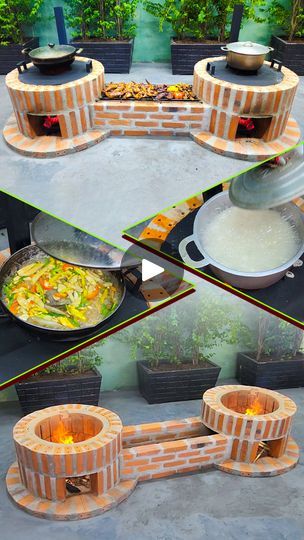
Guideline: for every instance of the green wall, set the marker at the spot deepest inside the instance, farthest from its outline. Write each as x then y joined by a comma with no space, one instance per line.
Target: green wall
150,44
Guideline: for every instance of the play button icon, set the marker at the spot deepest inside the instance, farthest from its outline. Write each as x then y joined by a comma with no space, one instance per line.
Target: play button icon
149,270
149,275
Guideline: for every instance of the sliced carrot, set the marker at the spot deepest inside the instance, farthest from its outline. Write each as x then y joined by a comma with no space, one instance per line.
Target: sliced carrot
14,307
66,266
45,284
93,294
34,288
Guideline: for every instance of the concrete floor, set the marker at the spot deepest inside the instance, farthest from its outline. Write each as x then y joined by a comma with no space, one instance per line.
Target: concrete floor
206,506
120,181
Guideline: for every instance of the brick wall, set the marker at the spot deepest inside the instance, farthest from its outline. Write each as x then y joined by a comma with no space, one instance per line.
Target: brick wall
162,431
167,119
162,459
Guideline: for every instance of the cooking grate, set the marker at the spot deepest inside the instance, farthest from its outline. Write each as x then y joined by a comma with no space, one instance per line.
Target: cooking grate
283,296
32,75
265,76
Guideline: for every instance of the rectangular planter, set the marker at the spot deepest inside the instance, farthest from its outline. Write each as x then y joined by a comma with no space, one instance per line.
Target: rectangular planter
116,56
10,55
185,55
273,375
177,385
291,54
38,394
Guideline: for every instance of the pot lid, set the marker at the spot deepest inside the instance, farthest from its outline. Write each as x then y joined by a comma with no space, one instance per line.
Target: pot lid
52,51
247,47
266,187
73,246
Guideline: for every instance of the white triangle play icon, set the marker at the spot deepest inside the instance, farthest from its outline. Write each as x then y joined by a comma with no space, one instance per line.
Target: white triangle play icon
150,270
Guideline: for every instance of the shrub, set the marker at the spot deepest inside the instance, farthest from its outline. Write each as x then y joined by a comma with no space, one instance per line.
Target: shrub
289,16
15,16
80,362
103,19
201,19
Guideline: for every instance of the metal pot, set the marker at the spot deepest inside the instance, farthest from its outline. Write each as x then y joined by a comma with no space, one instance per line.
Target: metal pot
33,253
52,57
242,280
245,55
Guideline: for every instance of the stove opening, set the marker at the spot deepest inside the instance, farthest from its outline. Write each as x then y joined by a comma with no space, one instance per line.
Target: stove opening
44,125
68,428
250,127
78,485
250,402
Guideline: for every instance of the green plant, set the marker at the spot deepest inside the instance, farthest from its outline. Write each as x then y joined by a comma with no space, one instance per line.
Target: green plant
80,362
275,338
15,17
201,19
289,16
187,331
104,19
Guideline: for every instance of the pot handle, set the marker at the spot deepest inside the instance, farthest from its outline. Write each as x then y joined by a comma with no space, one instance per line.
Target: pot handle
78,51
224,48
27,50
182,248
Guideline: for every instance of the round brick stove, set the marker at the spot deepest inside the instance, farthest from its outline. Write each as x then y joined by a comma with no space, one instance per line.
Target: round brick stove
251,417
67,442
268,106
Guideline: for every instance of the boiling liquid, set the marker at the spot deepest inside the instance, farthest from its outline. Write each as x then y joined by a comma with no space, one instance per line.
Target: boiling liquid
250,240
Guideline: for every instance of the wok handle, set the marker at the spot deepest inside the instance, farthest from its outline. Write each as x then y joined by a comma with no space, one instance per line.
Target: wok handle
78,51
27,50
224,48
4,315
182,248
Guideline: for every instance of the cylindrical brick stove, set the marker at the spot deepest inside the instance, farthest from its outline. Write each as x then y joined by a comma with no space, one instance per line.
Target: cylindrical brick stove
243,430
268,106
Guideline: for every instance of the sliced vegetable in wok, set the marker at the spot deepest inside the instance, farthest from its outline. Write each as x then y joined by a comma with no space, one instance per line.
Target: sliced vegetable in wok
53,294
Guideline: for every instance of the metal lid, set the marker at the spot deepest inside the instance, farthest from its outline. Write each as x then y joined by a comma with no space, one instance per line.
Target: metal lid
266,187
73,246
52,51
247,47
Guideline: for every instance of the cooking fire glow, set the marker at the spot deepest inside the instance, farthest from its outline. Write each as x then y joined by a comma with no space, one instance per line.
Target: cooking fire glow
61,435
255,409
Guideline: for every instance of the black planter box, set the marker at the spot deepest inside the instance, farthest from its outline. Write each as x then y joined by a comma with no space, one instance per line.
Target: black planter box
178,385
116,56
291,54
34,395
185,55
10,55
272,375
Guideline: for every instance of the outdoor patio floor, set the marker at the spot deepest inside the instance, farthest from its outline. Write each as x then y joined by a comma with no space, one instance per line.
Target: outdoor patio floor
210,505
121,180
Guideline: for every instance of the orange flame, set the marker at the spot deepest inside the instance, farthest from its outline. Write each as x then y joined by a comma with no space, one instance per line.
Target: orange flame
255,409
61,434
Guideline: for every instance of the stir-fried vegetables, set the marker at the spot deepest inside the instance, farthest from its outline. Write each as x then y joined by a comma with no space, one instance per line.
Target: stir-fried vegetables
57,295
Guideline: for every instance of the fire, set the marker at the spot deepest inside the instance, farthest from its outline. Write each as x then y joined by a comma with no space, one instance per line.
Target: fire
61,434
255,409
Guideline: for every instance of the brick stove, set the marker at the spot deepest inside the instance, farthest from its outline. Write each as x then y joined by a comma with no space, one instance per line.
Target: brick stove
243,430
265,97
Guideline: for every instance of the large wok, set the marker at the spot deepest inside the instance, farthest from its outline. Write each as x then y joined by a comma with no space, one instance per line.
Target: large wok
52,58
33,253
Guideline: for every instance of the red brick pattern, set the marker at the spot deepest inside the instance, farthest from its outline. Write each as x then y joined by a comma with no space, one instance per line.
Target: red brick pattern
146,118
161,431
157,460
270,104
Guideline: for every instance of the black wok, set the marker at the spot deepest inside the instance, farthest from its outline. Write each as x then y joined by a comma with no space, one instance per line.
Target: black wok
52,58
31,254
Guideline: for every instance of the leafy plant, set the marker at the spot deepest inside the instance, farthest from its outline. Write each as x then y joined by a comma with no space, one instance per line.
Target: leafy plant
275,338
103,19
80,362
201,19
289,16
188,332
15,17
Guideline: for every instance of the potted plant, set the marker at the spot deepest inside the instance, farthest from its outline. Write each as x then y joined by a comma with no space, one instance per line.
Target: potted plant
72,380
16,16
176,347
275,359
105,31
288,46
200,28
